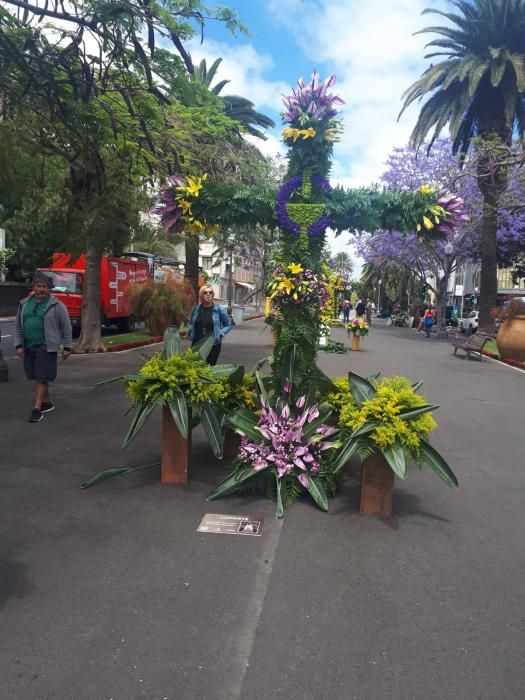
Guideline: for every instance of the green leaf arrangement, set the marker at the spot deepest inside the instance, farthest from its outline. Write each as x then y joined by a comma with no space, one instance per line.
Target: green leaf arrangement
389,417
182,380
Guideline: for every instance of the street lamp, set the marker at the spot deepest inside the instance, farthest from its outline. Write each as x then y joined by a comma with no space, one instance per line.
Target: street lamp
379,295
449,249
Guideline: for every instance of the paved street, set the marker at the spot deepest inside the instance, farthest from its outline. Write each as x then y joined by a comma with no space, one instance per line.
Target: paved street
111,594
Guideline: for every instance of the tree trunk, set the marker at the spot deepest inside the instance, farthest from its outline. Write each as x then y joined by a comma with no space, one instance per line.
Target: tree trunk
90,334
191,245
489,265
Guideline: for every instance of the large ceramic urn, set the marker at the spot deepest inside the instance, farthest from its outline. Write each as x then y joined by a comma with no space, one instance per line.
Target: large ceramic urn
511,339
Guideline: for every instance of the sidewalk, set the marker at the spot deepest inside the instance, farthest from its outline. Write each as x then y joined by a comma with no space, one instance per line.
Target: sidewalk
111,592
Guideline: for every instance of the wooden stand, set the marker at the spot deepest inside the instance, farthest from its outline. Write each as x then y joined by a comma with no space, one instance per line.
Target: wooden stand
232,443
356,340
377,486
176,451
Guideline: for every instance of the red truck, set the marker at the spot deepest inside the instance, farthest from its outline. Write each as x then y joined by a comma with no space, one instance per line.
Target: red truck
67,276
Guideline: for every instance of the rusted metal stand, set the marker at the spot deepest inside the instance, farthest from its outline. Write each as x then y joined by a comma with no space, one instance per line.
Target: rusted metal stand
377,486
176,451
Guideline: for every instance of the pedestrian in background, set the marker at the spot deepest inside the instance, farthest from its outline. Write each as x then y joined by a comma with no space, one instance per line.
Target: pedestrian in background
369,312
42,325
209,318
346,310
360,308
428,321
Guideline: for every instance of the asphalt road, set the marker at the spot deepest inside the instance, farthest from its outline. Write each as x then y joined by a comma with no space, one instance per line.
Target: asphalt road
111,593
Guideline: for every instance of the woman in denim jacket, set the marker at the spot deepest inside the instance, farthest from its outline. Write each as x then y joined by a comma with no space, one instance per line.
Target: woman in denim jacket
207,317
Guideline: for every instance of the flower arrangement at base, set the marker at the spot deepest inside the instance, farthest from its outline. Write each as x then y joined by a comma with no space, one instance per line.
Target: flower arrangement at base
284,448
389,417
358,327
181,380
295,285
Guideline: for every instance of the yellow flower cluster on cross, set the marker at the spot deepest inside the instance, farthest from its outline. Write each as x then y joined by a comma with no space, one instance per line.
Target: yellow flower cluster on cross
291,133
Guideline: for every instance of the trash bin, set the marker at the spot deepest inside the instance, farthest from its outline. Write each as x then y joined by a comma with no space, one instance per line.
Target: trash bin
238,314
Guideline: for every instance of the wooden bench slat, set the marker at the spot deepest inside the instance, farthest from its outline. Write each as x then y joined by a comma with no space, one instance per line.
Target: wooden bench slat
471,344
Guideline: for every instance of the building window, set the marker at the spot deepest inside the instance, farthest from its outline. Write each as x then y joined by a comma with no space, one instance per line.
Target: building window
207,263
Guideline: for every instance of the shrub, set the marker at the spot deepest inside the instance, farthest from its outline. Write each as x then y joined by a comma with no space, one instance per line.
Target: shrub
161,305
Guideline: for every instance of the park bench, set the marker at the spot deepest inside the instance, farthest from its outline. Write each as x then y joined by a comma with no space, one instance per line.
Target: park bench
472,344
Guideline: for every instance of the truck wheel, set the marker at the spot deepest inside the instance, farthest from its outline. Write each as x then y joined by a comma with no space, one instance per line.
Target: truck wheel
126,325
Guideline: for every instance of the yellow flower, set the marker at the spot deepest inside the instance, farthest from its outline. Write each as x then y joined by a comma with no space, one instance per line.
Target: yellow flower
286,284
426,189
196,226
295,268
291,133
185,206
427,223
308,133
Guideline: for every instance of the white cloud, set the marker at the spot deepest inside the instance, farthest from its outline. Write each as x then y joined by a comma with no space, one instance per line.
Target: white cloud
371,47
244,67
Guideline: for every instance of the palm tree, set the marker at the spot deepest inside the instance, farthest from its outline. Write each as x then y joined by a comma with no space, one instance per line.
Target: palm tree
236,107
478,90
343,264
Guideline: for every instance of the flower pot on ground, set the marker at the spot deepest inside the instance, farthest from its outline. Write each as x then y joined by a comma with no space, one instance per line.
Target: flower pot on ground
510,338
377,486
189,391
357,328
387,423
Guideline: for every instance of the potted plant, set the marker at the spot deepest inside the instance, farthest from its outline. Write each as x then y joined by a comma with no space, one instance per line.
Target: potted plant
510,337
387,424
188,391
161,305
357,328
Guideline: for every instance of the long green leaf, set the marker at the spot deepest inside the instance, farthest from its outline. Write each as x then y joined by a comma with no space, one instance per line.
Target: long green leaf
260,364
260,386
410,413
112,473
436,462
323,381
237,376
171,341
363,430
280,508
360,388
179,411
231,483
417,385
345,454
326,411
222,371
374,375
245,426
204,346
212,427
122,378
288,364
396,458
317,492
142,414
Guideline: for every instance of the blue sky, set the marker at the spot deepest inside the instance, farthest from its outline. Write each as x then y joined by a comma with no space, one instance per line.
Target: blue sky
370,46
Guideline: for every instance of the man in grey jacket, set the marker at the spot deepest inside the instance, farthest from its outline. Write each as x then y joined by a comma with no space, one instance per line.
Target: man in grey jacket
42,325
